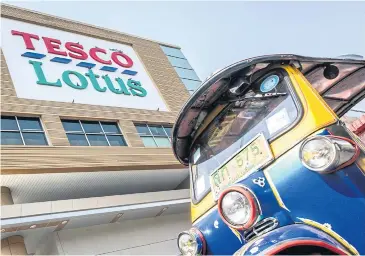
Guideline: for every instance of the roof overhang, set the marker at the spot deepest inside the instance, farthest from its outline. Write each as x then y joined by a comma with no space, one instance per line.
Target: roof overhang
29,188
75,213
351,73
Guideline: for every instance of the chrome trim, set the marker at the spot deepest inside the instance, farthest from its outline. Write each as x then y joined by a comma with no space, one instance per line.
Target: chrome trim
260,228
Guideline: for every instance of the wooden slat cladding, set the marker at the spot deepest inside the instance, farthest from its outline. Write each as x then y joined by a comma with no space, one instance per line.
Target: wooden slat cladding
75,159
60,156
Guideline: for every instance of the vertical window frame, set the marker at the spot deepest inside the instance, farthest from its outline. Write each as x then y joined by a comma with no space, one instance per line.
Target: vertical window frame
182,57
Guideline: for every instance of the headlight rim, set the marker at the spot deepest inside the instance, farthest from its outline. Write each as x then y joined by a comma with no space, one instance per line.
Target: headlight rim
253,205
199,237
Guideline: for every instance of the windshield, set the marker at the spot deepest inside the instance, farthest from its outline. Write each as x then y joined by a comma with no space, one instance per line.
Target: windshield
267,107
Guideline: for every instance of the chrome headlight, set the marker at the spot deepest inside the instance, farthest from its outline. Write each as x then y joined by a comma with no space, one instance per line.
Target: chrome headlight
191,242
326,153
238,208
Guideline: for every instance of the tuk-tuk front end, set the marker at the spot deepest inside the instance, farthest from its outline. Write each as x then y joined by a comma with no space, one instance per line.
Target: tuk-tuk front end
273,169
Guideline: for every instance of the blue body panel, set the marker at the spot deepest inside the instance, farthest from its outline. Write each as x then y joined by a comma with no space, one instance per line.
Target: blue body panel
335,201
287,233
215,237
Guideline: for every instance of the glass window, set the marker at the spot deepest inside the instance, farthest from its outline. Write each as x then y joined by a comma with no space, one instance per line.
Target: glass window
11,138
154,135
29,123
143,130
34,138
97,140
183,68
168,131
149,142
116,140
30,133
178,62
93,133
8,123
72,126
240,122
157,131
187,73
110,127
191,85
91,127
172,52
162,142
77,139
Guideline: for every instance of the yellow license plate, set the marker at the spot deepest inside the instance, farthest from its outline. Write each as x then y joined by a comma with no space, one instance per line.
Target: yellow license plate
251,157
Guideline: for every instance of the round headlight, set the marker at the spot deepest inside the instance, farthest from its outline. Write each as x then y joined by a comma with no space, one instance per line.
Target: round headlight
187,244
318,153
191,242
237,208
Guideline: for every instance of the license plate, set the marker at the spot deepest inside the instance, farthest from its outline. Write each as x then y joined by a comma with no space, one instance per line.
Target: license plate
251,157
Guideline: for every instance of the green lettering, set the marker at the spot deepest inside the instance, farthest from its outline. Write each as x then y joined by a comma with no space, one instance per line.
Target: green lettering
66,78
136,86
122,86
40,75
93,78
111,87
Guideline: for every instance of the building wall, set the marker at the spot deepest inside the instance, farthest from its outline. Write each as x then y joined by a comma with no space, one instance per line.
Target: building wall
150,236
58,157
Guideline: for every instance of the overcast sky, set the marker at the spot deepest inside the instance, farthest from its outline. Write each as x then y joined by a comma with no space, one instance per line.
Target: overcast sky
215,34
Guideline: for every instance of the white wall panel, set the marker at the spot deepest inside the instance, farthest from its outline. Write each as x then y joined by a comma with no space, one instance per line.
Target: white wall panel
145,236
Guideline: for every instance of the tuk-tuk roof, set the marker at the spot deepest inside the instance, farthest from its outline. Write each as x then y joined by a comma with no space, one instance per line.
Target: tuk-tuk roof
199,105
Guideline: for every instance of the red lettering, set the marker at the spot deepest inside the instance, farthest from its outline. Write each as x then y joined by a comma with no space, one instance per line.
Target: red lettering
76,51
93,55
129,61
53,45
27,38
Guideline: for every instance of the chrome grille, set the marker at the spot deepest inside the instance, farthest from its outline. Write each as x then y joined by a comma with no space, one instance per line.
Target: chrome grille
260,228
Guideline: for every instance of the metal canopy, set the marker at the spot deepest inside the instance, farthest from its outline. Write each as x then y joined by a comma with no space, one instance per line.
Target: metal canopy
340,93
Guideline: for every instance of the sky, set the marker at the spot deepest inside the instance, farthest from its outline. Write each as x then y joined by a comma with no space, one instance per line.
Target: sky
213,34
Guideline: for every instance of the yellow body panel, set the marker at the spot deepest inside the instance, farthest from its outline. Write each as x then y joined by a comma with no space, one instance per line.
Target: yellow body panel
316,115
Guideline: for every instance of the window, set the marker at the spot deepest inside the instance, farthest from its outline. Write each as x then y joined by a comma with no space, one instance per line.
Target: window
22,131
187,74
155,135
174,52
237,124
182,67
93,133
179,63
191,85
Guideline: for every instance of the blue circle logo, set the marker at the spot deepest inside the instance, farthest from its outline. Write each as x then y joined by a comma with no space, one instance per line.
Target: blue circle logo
269,83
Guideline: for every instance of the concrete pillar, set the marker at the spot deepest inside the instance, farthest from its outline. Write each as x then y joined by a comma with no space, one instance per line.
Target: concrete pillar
13,245
6,197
